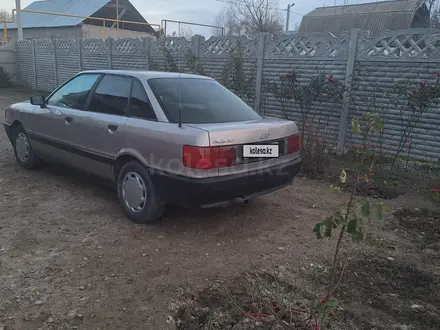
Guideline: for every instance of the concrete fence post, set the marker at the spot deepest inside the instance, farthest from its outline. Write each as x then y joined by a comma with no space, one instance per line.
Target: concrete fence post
259,74
196,46
109,50
34,60
55,67
147,51
18,78
80,47
343,121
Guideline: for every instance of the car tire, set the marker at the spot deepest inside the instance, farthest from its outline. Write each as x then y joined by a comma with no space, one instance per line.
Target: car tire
137,195
23,151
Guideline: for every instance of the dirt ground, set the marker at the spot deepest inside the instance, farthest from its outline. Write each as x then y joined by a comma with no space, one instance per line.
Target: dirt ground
69,259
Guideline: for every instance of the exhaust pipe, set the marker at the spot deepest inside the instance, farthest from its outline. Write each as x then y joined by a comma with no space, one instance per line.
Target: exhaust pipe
241,200
238,200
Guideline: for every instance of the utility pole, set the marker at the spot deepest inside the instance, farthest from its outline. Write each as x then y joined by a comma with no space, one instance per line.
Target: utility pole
19,21
117,14
288,16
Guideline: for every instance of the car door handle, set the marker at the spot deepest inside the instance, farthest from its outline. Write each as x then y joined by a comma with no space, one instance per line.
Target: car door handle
112,127
68,120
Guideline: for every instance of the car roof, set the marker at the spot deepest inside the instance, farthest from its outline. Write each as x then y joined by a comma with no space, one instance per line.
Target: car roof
143,74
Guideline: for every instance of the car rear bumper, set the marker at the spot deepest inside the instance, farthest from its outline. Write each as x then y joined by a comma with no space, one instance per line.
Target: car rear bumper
210,192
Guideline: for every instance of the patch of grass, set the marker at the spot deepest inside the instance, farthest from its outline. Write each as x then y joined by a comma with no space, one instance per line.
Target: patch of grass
257,300
392,182
380,184
419,176
435,196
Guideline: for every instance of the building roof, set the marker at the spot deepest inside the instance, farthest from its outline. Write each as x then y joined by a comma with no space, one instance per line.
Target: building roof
375,17
73,7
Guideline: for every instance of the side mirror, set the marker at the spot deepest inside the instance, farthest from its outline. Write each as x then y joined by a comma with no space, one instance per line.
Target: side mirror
38,100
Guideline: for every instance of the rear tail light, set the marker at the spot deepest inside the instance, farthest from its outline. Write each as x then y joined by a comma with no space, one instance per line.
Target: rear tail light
205,158
294,143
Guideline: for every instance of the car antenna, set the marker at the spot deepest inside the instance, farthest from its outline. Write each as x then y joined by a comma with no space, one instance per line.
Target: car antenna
178,86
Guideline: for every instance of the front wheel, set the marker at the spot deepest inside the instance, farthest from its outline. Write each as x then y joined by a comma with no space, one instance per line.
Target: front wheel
24,153
137,195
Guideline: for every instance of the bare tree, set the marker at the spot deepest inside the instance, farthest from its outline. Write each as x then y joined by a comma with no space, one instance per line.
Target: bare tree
186,32
226,19
5,16
434,11
296,27
250,17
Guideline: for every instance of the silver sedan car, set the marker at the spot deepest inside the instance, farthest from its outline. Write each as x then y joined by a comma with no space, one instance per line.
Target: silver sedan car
162,138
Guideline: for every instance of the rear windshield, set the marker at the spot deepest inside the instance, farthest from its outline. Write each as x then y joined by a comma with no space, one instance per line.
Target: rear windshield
201,101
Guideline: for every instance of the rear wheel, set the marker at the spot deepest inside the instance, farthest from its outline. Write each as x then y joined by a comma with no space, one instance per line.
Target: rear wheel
137,195
24,153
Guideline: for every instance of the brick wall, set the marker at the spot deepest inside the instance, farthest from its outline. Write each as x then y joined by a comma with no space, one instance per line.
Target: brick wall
371,65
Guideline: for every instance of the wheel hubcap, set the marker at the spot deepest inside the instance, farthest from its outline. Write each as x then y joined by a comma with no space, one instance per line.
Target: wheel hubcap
22,147
134,192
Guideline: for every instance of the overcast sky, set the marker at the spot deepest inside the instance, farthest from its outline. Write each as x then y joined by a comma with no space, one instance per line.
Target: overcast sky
202,11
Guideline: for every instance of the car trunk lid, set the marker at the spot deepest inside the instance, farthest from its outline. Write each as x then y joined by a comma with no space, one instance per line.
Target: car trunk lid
252,141
248,132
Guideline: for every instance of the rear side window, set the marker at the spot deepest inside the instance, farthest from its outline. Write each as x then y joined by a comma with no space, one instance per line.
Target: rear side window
140,105
73,95
200,101
111,96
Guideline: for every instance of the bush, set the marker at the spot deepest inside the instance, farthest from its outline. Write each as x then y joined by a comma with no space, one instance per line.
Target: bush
316,152
234,74
290,90
5,78
169,64
194,64
412,102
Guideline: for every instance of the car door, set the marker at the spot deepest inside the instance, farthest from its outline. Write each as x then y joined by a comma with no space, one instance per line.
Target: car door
51,126
98,130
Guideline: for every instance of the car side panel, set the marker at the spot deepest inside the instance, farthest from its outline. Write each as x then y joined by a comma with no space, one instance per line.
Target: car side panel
160,146
24,112
18,112
95,143
52,133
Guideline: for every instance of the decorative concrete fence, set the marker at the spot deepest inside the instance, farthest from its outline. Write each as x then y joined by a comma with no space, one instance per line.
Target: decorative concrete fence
369,66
